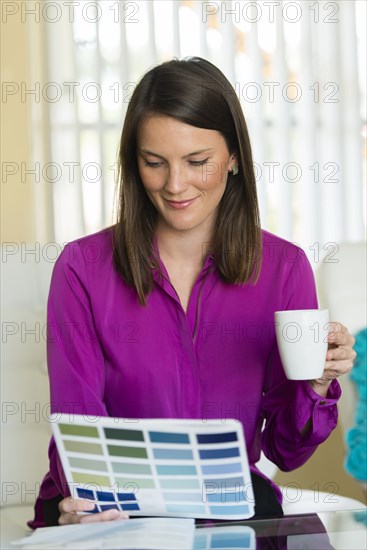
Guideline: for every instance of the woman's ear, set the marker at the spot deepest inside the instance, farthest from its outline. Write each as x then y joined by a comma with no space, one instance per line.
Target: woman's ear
234,165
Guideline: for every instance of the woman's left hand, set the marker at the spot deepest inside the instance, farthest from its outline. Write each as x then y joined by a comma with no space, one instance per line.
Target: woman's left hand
339,359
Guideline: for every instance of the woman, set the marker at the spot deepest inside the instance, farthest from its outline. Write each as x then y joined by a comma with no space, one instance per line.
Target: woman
170,312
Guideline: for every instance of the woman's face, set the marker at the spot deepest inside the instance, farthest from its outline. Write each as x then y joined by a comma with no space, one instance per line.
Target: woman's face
184,171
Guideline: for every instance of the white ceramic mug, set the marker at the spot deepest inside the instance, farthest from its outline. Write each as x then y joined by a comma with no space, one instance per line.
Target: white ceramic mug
302,342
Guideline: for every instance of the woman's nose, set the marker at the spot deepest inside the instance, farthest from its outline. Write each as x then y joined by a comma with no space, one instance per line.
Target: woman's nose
176,181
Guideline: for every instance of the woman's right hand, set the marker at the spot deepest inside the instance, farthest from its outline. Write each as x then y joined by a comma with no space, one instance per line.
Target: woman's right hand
70,506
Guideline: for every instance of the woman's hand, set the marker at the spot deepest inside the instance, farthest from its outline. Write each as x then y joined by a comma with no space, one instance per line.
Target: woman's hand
70,506
339,358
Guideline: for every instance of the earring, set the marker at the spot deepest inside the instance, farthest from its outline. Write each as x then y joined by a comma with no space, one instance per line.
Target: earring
235,169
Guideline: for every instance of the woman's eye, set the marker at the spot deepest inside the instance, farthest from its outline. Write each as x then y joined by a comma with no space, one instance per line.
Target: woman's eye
198,162
156,164
152,164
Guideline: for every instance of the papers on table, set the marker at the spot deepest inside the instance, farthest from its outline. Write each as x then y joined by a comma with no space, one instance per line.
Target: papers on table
141,533
148,533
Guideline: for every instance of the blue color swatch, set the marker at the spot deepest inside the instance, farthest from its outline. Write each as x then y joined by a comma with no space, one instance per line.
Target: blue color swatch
168,437
216,438
219,453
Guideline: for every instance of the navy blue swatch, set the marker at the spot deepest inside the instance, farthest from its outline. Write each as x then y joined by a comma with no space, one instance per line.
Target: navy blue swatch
85,493
126,496
130,506
104,496
217,438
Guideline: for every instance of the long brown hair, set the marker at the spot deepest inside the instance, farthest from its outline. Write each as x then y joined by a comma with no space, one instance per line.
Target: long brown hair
195,92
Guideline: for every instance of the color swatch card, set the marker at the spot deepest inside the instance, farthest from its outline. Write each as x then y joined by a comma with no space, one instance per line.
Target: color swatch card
157,467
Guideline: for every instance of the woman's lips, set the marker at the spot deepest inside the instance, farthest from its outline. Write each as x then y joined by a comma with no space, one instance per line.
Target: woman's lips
179,205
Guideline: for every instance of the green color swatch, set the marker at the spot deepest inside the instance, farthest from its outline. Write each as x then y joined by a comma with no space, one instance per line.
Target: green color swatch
86,464
83,431
127,435
85,448
91,479
134,452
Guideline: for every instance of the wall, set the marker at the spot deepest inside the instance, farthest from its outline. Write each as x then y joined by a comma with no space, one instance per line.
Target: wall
26,199
17,212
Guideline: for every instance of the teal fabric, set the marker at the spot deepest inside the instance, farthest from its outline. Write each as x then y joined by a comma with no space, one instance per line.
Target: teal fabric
361,516
356,437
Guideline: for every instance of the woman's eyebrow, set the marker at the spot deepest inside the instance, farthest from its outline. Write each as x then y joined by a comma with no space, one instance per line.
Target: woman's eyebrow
147,152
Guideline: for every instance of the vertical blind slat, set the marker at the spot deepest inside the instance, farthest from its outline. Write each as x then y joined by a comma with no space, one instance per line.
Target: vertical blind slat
203,30
124,55
331,168
152,50
281,141
229,51
256,121
309,196
67,60
100,133
351,121
176,29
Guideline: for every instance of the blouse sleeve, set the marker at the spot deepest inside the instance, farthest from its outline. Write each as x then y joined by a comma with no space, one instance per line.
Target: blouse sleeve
75,359
74,353
288,405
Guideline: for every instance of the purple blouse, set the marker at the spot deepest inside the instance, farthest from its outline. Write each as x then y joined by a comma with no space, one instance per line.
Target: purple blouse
110,356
